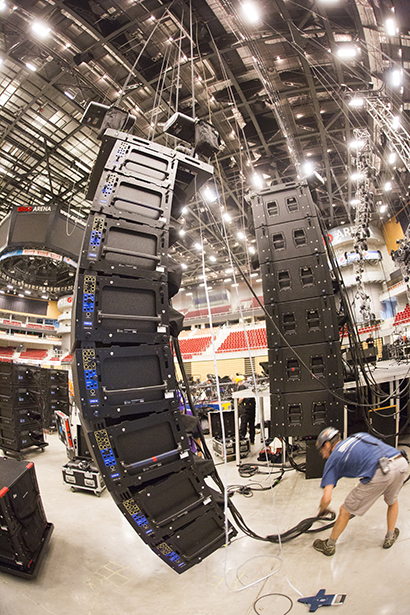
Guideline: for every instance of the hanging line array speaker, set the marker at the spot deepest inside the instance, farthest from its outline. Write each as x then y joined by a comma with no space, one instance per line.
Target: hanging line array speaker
123,367
305,367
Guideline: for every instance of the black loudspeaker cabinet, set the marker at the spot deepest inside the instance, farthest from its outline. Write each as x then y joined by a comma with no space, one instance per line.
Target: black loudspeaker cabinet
191,173
128,248
283,203
314,462
296,279
289,374
16,440
298,414
163,506
24,530
216,425
308,321
20,418
113,309
194,541
133,197
58,404
300,238
56,377
134,452
12,375
132,158
21,397
120,381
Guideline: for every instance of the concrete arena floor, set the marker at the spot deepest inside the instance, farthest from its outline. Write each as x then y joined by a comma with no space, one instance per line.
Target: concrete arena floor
96,565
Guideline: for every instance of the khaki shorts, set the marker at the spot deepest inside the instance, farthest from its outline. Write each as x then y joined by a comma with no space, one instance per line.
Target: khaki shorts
362,497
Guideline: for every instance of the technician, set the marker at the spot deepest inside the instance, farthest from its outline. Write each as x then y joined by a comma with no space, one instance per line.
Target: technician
247,411
381,469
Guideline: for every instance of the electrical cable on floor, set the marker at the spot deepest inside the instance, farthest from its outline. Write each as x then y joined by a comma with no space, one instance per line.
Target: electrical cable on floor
273,594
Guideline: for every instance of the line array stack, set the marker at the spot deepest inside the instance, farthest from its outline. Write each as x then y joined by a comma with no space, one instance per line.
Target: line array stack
123,368
305,368
21,419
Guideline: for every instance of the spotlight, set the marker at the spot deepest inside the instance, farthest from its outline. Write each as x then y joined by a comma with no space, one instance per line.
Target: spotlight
356,102
390,27
396,78
40,29
347,52
251,12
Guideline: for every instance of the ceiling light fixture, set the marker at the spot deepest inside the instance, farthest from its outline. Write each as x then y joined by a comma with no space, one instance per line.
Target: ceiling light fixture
396,78
358,144
390,27
251,12
209,195
392,157
257,181
396,122
356,102
347,52
387,187
31,67
308,168
40,29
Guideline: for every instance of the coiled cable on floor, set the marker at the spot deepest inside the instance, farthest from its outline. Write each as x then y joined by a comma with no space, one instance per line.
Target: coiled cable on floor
304,528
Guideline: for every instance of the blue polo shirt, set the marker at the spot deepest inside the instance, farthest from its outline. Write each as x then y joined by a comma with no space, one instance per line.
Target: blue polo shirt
356,457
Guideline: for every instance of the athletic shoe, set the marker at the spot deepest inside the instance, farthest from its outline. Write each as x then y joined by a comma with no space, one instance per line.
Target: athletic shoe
324,547
389,542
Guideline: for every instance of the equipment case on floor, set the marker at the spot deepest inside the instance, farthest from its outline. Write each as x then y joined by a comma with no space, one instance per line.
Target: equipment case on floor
218,448
81,473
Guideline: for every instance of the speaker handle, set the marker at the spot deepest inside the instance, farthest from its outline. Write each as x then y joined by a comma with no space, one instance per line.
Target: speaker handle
160,457
101,316
154,387
131,253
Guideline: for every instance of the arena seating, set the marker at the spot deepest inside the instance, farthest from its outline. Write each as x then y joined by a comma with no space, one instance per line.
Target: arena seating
203,312
236,340
6,352
33,354
194,345
403,316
